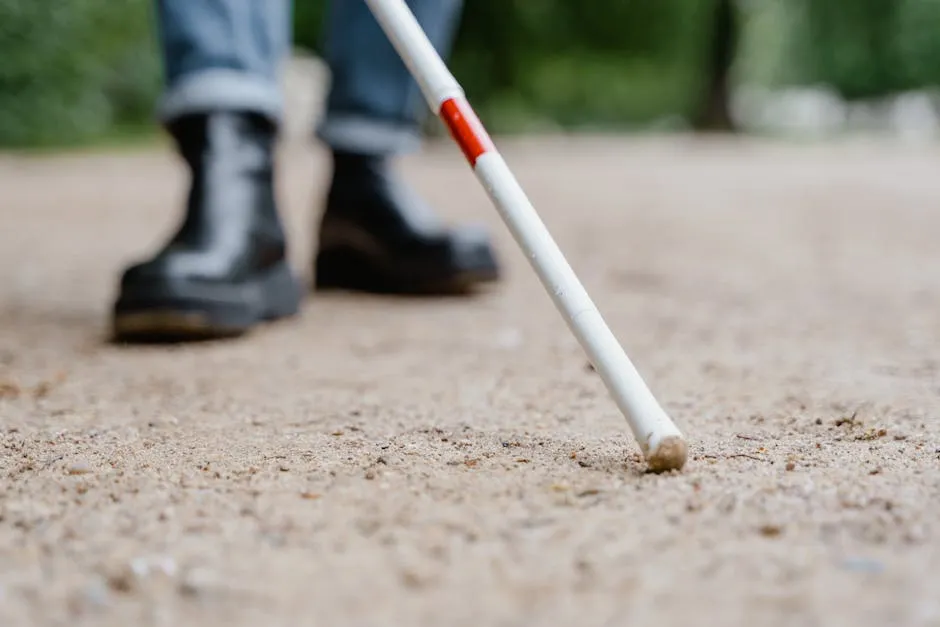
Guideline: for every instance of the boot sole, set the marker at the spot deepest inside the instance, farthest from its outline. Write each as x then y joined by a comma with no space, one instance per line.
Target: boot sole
178,311
346,269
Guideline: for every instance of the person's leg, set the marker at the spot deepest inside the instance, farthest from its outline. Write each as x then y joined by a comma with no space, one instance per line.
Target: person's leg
374,106
225,268
375,235
222,55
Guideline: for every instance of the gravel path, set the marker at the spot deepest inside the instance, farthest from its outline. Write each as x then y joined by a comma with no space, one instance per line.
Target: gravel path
384,462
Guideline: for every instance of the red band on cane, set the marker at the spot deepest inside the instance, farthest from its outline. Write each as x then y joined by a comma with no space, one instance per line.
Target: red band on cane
466,129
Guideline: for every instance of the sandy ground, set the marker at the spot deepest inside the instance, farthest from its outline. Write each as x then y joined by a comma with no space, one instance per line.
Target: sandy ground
384,462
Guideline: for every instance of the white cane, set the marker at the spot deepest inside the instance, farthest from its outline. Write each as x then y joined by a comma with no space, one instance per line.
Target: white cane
660,440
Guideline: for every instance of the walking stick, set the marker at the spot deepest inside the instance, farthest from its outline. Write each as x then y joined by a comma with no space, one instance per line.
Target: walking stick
662,443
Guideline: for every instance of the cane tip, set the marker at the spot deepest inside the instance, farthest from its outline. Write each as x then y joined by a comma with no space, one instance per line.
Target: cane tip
670,453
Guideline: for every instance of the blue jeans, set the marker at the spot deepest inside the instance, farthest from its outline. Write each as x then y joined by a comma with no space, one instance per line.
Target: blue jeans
227,55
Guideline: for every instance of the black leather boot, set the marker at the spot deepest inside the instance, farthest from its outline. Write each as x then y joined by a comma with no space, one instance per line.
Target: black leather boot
225,270
377,236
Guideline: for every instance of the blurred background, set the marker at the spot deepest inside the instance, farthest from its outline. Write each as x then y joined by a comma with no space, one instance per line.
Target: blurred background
77,72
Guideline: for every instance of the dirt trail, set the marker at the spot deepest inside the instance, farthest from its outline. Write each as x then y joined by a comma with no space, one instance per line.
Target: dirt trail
383,462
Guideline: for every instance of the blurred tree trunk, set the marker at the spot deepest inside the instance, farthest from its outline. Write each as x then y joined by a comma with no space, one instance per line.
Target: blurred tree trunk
715,112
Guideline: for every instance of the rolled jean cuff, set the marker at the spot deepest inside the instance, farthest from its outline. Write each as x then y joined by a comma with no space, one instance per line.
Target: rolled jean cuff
362,134
221,90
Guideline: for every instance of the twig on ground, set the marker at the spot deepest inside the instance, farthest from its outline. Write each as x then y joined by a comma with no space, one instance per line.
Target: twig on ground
755,458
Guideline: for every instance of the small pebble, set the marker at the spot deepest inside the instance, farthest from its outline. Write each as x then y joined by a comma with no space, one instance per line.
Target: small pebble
79,468
123,580
770,531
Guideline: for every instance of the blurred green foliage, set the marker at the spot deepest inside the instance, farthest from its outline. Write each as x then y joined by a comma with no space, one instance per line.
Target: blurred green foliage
861,48
530,64
72,71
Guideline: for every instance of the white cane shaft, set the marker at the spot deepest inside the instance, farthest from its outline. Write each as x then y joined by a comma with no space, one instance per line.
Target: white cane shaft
646,418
